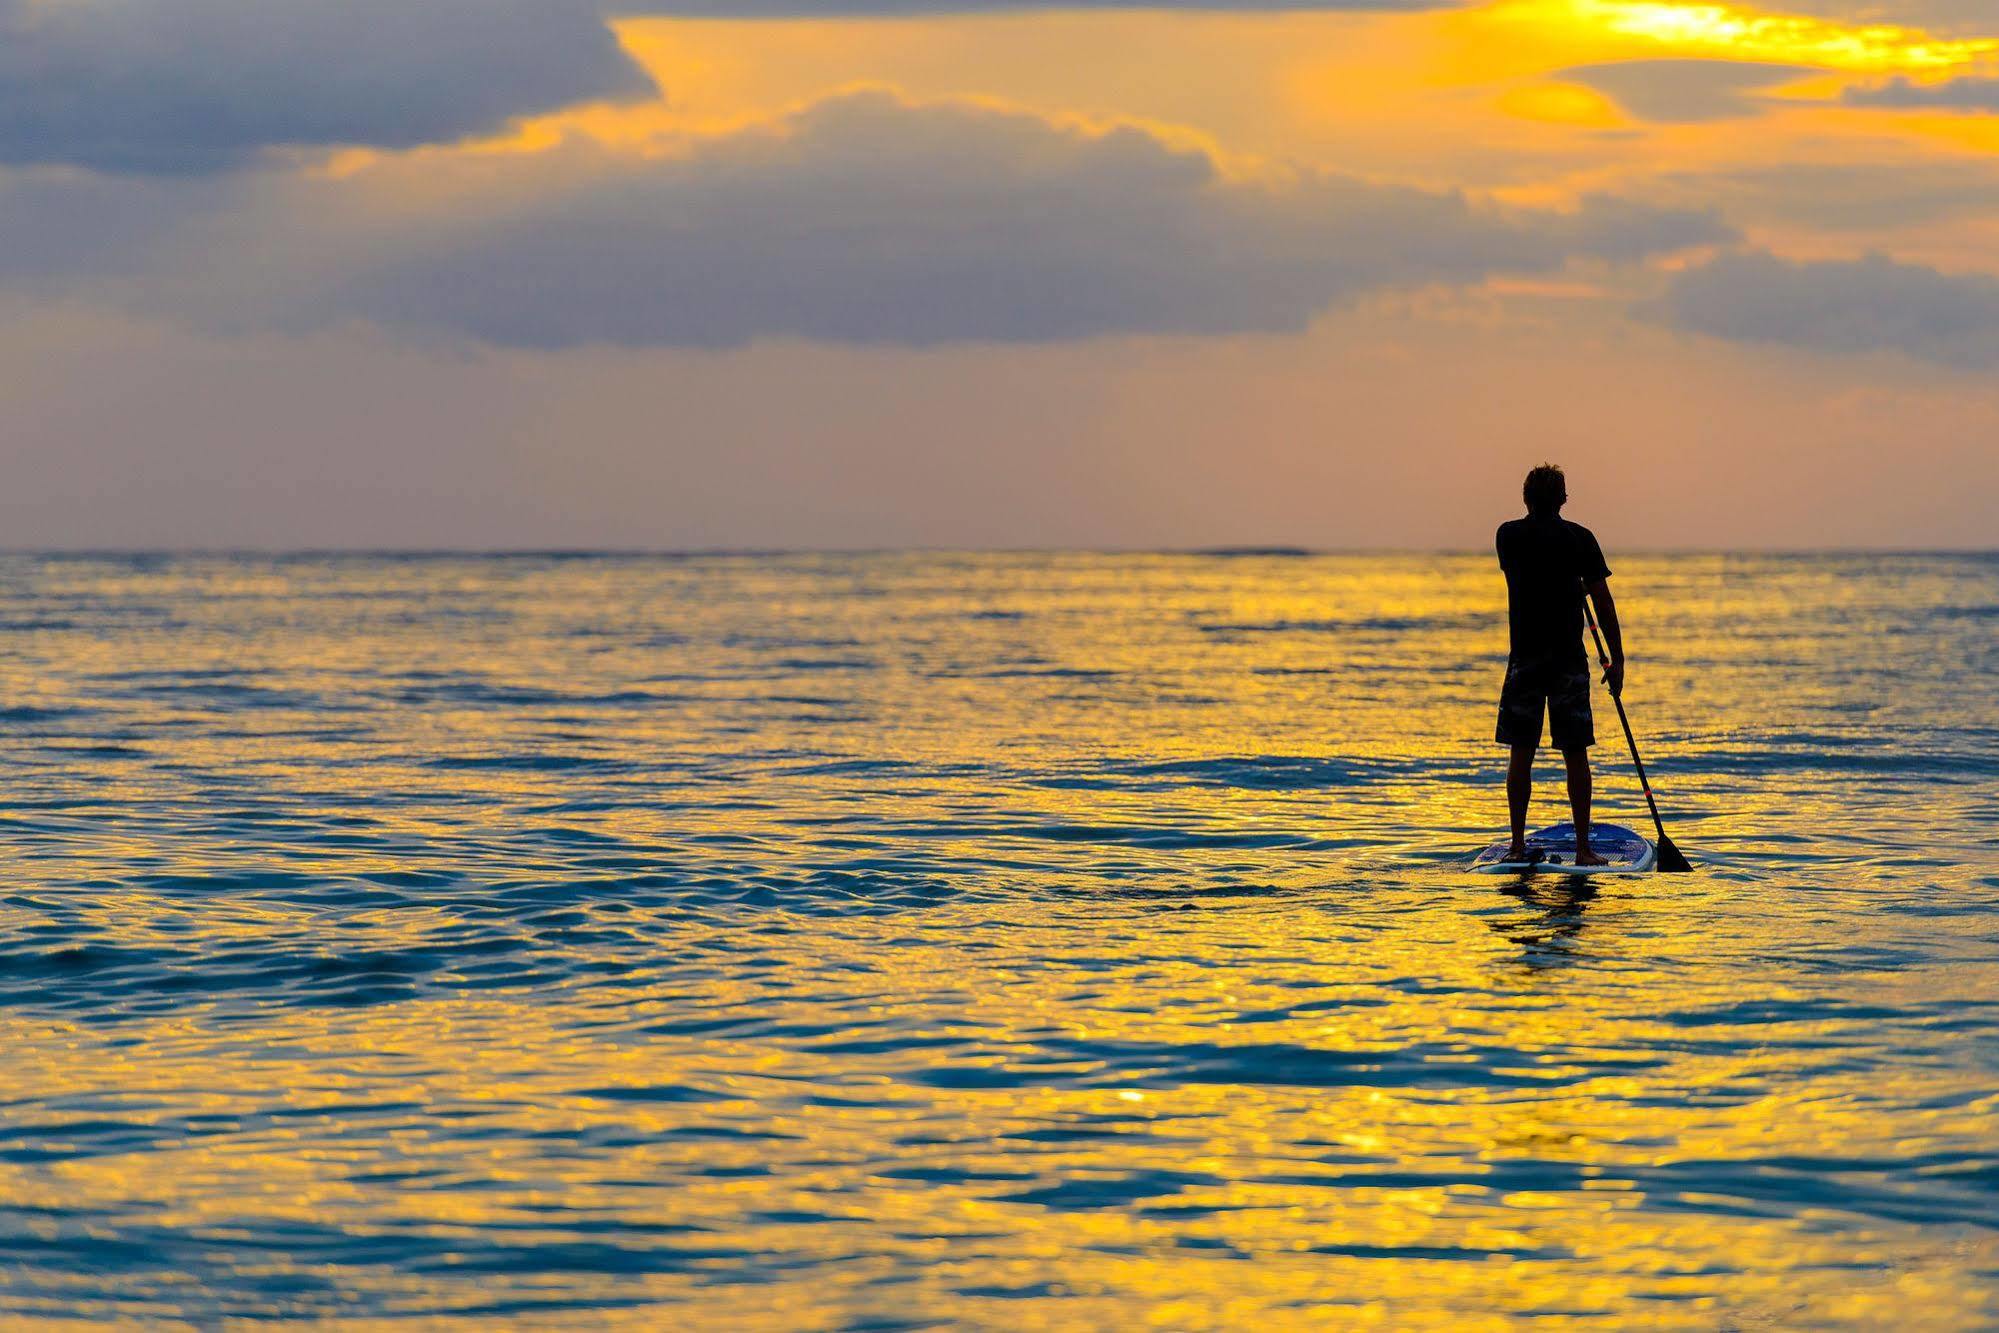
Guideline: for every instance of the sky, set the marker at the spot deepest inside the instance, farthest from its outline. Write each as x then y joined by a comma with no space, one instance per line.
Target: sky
689,274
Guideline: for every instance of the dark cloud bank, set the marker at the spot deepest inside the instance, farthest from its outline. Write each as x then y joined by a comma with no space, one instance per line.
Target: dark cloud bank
1867,305
868,219
1684,91
1965,94
203,85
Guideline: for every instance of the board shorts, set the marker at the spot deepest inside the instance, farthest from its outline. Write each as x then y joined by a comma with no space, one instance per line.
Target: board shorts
1562,688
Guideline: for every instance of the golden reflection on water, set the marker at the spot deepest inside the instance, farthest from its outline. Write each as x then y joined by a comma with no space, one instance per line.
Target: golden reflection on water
1068,941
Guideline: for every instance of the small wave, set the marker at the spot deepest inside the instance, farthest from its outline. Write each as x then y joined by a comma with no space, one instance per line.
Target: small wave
529,763
1247,773
1117,1190
1356,625
30,713
1027,673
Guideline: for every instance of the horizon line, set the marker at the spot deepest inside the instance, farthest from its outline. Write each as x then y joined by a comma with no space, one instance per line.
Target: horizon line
1225,551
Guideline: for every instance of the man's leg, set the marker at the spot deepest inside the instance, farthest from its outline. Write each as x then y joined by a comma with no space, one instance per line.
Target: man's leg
1519,788
1579,793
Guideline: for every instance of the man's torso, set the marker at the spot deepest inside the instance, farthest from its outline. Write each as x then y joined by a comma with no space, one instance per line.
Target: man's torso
1547,563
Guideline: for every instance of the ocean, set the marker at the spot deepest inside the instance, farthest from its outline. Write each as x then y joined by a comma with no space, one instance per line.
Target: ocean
902,941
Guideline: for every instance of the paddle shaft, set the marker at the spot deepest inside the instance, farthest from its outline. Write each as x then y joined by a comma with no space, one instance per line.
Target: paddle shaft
1603,660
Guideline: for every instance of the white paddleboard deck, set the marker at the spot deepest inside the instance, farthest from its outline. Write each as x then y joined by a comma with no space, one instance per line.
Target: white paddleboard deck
1553,851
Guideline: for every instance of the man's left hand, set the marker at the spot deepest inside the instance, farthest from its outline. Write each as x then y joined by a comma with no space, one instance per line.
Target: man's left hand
1613,676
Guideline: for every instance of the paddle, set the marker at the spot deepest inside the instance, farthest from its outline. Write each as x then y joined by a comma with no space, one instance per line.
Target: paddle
1670,858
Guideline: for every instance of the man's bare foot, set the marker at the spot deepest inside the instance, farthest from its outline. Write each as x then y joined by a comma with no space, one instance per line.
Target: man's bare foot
1517,852
1586,857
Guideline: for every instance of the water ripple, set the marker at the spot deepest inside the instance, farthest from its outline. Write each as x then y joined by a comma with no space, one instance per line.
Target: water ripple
913,940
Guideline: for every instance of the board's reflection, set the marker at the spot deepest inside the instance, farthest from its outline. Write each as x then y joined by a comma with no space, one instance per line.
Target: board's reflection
1547,934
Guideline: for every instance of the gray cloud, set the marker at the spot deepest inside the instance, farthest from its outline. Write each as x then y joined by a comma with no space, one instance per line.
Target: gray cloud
64,228
1945,18
201,85
1966,94
1867,305
728,9
1684,90
1852,196
868,219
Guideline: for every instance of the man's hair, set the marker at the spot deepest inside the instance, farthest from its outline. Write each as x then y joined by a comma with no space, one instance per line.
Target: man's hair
1545,489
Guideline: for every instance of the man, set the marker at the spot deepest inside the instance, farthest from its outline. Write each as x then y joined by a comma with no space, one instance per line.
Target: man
1549,561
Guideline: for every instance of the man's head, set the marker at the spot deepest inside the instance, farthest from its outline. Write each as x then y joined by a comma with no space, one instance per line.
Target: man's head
1545,490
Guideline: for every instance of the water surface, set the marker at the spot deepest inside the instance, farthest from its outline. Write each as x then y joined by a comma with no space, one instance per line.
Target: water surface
894,941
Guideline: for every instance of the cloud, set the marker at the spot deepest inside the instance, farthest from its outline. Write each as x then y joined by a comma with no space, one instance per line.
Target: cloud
1966,94
201,85
63,229
865,218
824,9
1966,17
1684,90
1857,195
1868,305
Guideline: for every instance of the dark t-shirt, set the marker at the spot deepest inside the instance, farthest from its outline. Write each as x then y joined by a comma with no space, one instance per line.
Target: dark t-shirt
1547,562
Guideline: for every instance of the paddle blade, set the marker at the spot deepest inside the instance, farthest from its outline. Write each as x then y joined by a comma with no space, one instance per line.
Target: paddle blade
1670,858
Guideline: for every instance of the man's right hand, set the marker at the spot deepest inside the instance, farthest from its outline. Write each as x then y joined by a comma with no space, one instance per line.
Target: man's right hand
1613,676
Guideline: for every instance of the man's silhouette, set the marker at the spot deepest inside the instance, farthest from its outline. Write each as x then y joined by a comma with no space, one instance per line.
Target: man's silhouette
1548,562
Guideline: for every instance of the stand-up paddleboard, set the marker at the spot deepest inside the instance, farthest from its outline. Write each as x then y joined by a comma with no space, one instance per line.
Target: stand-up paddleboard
1553,850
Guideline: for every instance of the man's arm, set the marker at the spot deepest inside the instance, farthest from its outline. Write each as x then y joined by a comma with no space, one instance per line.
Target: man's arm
1606,615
